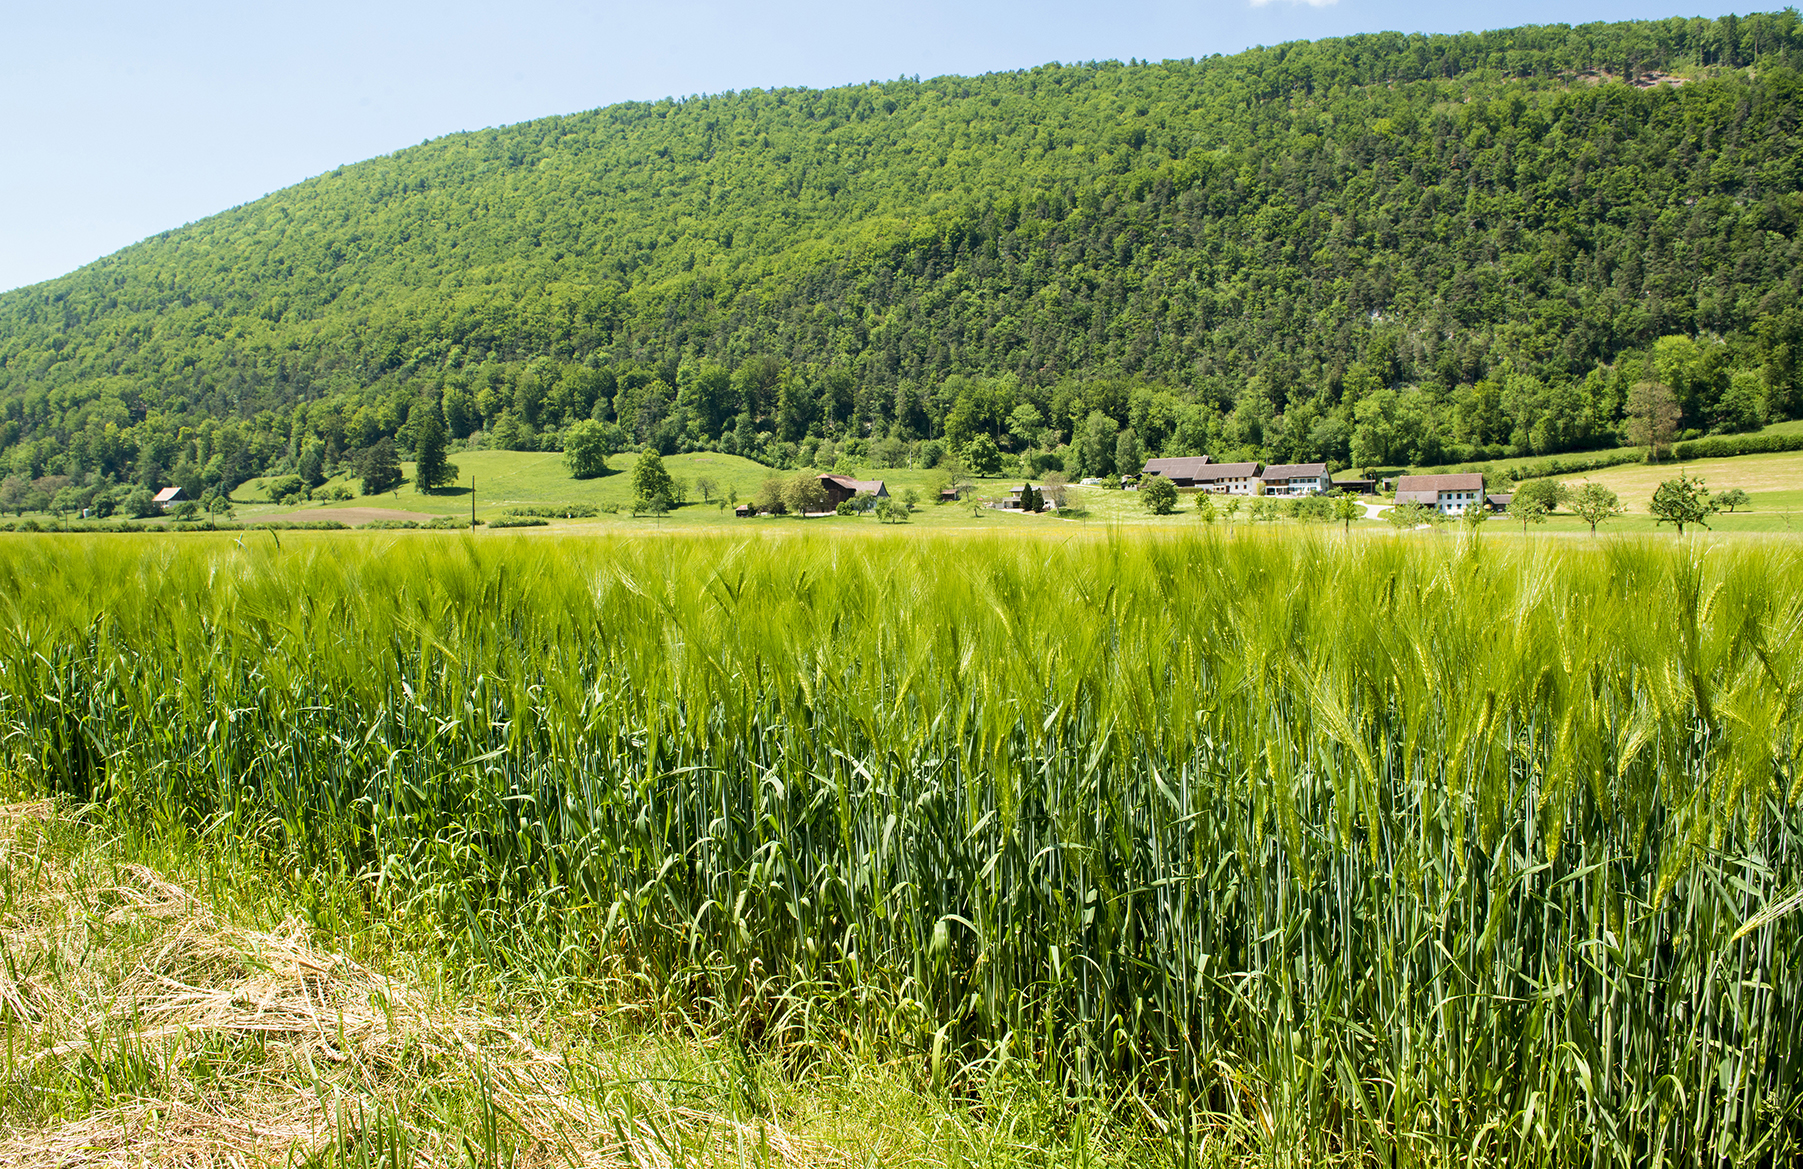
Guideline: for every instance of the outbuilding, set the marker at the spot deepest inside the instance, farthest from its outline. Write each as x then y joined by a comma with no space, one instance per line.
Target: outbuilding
840,488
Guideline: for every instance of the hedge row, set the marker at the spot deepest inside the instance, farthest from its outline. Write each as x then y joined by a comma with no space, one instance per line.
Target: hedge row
1723,446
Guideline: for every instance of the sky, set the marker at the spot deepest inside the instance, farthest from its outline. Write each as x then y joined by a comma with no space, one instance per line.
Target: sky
118,121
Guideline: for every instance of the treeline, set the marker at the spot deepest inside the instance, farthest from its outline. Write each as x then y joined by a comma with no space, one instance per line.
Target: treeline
1375,250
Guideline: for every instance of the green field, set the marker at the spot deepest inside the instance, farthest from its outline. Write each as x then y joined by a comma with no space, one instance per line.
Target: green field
1095,846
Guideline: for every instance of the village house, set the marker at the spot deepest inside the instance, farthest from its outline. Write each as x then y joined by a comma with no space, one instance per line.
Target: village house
840,488
1231,478
1450,494
1297,479
1012,503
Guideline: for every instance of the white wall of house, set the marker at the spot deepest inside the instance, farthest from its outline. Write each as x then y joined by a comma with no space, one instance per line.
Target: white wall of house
1300,486
1455,502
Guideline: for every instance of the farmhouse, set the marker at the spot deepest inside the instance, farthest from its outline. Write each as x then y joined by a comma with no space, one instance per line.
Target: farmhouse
840,488
1183,472
1012,503
1231,478
1297,479
1451,494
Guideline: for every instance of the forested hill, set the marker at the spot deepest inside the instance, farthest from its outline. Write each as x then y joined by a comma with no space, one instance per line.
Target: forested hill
1382,248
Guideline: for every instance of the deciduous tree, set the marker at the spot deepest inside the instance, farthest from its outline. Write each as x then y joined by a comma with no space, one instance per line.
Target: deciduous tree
1683,501
1593,503
1158,493
652,489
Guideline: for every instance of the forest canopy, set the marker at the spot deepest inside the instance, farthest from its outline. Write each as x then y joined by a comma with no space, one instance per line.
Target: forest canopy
1374,250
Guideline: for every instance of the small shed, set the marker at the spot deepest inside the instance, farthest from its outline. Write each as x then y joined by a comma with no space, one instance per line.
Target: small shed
1356,486
1499,500
168,497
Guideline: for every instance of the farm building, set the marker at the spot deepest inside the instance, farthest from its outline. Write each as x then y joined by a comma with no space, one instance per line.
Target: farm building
1499,501
168,497
1184,472
1296,479
1231,478
840,488
1451,494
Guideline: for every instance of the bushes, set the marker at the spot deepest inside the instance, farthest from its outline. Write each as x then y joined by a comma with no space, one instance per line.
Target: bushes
1723,446
555,511
519,521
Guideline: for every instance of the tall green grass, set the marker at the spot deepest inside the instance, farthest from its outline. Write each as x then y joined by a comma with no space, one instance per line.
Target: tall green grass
1306,848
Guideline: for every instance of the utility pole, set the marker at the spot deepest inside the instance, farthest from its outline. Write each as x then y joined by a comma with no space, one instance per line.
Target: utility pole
472,503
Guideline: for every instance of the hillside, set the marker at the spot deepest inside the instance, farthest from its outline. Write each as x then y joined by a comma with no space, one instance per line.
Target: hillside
1377,249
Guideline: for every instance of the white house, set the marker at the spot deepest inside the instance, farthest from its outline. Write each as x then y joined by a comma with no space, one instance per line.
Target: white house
1451,494
1230,478
1297,479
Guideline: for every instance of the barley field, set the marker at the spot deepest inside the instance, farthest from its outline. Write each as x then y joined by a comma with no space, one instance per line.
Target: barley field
1292,848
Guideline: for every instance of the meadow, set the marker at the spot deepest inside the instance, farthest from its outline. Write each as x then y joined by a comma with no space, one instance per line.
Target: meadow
1224,847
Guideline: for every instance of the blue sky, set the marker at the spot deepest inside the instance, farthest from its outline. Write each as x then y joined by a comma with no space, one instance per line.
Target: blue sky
118,121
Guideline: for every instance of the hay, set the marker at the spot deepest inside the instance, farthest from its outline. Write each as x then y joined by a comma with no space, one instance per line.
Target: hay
305,1052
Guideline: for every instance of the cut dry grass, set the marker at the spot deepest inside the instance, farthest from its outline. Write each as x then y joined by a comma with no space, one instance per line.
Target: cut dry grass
145,1028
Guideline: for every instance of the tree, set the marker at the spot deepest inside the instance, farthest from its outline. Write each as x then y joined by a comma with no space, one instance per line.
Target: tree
1651,417
1055,486
1346,508
984,456
1683,501
1593,503
13,492
380,468
1156,492
1205,508
430,468
1095,444
652,489
141,504
1527,509
1732,498
803,493
1129,457
769,495
1550,492
586,445
708,487
892,511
